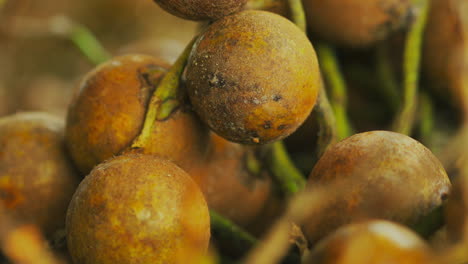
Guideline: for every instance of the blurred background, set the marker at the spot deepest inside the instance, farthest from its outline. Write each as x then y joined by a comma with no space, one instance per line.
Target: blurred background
40,64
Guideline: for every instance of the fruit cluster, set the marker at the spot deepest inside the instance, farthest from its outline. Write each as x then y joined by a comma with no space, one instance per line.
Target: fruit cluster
185,163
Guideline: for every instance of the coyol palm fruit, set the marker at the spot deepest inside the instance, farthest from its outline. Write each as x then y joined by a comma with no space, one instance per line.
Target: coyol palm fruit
356,23
137,208
108,112
377,174
445,53
456,209
201,9
253,77
37,180
229,185
279,7
371,242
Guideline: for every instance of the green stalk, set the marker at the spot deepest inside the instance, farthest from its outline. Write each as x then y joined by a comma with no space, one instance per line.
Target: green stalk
404,121
326,122
388,81
87,43
298,14
163,101
337,88
426,125
223,229
239,242
289,178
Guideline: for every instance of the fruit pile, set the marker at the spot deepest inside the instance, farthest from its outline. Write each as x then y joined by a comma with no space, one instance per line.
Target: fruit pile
203,161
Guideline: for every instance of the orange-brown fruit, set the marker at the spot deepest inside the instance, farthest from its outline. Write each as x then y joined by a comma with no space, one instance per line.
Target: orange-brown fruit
356,23
137,208
371,242
377,174
279,7
201,9
232,189
445,53
456,209
108,112
37,180
253,77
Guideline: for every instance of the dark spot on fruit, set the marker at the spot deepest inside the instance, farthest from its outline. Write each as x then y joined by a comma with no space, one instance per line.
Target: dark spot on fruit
233,42
267,125
216,80
277,97
282,127
10,196
444,196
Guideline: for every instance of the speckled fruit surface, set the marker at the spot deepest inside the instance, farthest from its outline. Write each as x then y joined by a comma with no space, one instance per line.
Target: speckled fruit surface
37,180
377,174
253,77
137,209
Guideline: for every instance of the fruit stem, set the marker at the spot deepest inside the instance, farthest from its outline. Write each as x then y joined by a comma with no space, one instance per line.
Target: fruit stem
87,43
240,241
388,83
332,73
223,229
325,117
404,120
164,99
298,14
289,178
64,27
426,125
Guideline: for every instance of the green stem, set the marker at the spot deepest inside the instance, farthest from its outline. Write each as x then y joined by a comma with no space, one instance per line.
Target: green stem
404,121
236,242
388,81
298,14
337,87
84,39
163,101
426,126
289,178
223,229
326,122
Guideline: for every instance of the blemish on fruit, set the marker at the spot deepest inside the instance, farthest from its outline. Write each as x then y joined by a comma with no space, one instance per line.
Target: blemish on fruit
282,127
277,97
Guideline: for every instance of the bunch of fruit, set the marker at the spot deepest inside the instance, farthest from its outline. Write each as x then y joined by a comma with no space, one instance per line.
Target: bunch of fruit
185,163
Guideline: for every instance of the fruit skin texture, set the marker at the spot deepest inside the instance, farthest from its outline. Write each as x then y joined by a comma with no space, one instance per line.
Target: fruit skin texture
356,23
37,180
377,174
445,50
253,77
369,242
108,111
201,9
137,209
